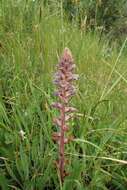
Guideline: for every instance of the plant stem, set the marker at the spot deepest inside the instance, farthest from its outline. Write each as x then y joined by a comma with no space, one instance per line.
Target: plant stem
61,145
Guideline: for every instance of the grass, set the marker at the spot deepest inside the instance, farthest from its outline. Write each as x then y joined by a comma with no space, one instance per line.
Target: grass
32,38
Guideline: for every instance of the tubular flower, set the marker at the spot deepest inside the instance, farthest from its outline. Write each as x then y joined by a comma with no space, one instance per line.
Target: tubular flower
64,79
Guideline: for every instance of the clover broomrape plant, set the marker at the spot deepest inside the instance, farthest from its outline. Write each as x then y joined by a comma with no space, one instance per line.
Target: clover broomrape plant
63,79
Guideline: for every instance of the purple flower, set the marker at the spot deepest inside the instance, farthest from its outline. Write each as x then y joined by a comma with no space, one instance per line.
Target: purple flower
64,79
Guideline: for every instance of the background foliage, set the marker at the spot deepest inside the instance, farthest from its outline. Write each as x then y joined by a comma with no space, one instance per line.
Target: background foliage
104,15
32,37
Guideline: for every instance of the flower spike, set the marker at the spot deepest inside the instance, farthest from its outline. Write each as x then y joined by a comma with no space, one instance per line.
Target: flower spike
63,79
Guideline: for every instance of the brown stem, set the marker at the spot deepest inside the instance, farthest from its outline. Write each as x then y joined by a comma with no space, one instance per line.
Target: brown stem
61,145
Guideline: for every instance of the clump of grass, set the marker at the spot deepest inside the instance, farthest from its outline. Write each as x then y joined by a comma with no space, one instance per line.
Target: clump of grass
29,48
63,80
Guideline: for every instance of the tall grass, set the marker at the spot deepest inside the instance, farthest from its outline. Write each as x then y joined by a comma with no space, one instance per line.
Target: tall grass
31,39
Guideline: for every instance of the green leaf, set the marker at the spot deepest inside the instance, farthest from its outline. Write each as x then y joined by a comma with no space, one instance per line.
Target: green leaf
3,182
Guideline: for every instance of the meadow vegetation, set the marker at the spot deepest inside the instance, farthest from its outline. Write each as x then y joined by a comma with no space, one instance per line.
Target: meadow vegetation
33,35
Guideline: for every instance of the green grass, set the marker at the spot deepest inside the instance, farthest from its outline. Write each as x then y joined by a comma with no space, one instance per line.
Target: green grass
32,37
